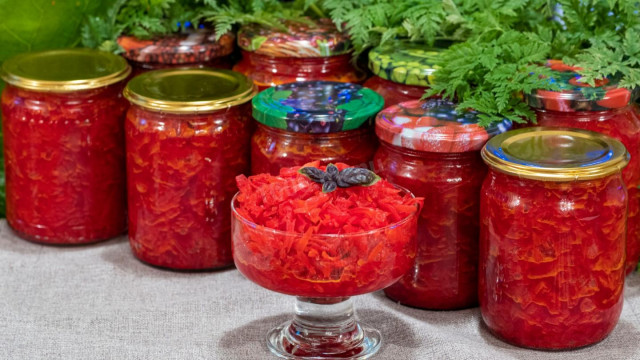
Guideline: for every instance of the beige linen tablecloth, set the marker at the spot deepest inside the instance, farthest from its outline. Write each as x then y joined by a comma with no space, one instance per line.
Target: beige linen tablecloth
99,302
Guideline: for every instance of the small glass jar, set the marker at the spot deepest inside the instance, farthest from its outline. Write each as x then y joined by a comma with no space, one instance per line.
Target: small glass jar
63,116
607,109
187,135
434,152
402,70
314,120
194,49
552,217
305,52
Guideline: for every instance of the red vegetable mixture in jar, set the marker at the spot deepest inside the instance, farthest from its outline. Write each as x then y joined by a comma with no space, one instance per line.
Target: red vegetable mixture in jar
434,151
553,215
182,159
314,120
402,70
195,49
604,108
316,51
295,238
63,132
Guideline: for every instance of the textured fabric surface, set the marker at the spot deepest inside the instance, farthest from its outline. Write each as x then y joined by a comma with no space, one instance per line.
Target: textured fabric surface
99,302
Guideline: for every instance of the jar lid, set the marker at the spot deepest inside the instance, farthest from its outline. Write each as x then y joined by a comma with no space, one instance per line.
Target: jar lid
405,62
577,96
64,70
189,90
196,47
316,38
316,106
555,154
434,125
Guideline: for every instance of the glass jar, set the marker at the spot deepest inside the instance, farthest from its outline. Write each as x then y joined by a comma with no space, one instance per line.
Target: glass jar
63,145
434,152
402,70
187,135
314,120
552,217
606,109
194,49
305,52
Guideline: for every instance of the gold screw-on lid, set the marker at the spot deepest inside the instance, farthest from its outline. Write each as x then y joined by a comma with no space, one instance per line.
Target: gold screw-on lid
189,90
65,70
555,154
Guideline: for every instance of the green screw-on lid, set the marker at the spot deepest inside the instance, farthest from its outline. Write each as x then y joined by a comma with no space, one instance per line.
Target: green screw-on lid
316,106
189,90
404,62
64,70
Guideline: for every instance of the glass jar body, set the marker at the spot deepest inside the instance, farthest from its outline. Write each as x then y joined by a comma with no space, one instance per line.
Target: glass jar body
445,272
65,164
137,68
394,93
622,124
181,172
552,259
273,149
267,71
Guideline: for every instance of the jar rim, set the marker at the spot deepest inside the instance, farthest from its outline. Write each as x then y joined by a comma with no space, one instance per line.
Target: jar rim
555,154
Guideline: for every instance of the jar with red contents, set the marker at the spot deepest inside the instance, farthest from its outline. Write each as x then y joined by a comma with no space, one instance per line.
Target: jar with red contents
434,151
552,217
604,108
316,51
187,136
197,48
402,70
314,120
63,131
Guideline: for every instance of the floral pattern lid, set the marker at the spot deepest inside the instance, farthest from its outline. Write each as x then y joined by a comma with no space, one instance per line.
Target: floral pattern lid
319,38
577,96
316,107
404,62
434,125
196,47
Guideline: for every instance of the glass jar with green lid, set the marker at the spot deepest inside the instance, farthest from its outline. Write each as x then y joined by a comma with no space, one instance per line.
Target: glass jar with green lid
402,70
63,115
322,121
187,136
553,214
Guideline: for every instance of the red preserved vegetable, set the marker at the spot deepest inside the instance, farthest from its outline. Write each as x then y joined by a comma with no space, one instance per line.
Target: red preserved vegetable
64,146
606,109
437,157
552,241
291,237
181,168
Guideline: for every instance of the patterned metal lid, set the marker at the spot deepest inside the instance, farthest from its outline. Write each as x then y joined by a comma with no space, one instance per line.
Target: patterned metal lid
555,154
316,106
434,125
404,62
319,38
196,47
577,96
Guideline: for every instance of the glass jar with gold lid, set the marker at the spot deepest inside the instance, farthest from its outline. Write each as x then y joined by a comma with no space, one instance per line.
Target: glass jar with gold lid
552,241
187,136
63,114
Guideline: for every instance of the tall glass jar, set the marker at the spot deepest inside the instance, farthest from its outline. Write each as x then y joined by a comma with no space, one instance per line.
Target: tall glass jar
187,135
313,120
552,217
402,70
430,149
197,48
607,109
63,131
304,52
